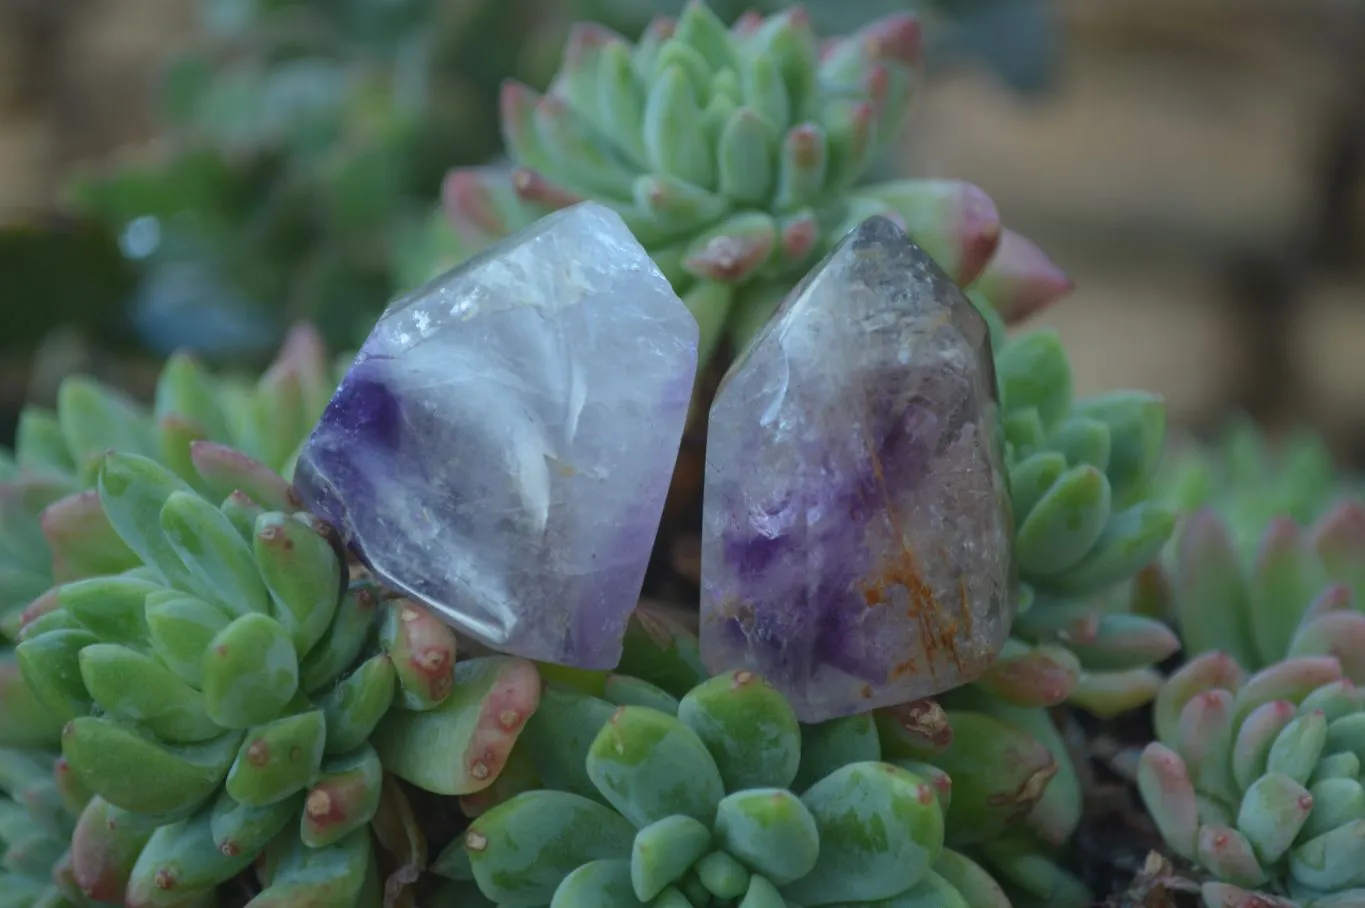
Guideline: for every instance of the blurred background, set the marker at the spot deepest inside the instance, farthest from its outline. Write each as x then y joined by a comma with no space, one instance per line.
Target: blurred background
201,172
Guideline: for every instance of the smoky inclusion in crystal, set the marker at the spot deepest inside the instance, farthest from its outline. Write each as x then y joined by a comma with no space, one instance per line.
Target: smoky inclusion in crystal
503,443
857,544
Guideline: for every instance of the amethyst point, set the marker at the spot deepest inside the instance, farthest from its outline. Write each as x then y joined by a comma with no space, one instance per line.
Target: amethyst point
503,443
858,538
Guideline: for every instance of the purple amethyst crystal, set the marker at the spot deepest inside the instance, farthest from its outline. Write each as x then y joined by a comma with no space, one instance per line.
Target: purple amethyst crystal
502,445
857,543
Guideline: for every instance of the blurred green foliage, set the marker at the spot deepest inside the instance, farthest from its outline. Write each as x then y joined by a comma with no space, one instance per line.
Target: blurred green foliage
300,152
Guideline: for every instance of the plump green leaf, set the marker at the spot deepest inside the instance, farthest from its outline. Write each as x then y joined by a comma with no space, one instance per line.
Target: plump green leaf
141,775
597,884
1035,373
344,798
246,829
826,746
181,628
1066,522
649,765
132,686
211,549
51,666
422,648
522,850
354,707
560,733
278,759
250,672
771,831
880,831
133,489
624,690
664,851
748,728
111,607
344,640
181,861
303,574
460,746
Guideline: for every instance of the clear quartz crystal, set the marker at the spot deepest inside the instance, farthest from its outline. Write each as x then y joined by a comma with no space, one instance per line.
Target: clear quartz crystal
858,537
503,443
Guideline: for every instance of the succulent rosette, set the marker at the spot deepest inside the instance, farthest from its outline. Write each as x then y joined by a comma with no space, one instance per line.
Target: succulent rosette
1299,592
219,698
690,802
52,528
1249,477
735,155
987,774
39,802
1255,774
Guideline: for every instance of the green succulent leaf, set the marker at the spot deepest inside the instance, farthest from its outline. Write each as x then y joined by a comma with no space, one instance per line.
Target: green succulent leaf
880,831
210,548
748,727
664,851
129,685
649,765
303,574
250,672
827,746
354,708
460,746
771,831
521,851
278,759
140,775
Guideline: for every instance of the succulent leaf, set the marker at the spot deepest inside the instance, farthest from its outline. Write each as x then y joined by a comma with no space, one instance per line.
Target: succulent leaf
747,727
880,830
522,850
649,765
474,729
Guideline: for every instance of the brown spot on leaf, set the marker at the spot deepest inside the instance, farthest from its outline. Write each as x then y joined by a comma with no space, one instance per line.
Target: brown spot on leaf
258,754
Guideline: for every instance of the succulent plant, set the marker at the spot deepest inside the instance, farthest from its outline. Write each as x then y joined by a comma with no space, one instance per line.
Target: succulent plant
220,697
39,802
988,775
735,155
1300,591
1248,478
1254,766
1256,778
1081,474
689,802
52,529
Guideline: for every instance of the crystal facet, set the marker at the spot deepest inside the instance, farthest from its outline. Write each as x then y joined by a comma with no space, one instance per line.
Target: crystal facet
858,537
503,443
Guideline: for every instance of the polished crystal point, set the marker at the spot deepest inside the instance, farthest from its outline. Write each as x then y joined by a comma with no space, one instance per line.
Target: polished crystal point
502,445
857,541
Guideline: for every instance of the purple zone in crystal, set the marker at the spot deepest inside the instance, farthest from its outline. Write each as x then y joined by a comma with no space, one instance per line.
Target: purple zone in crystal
857,544
363,412
902,462
502,446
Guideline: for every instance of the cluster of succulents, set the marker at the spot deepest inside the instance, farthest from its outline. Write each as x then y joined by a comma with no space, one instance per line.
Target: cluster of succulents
235,699
735,155
39,802
1248,478
1255,775
621,792
52,528
208,692
1256,779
